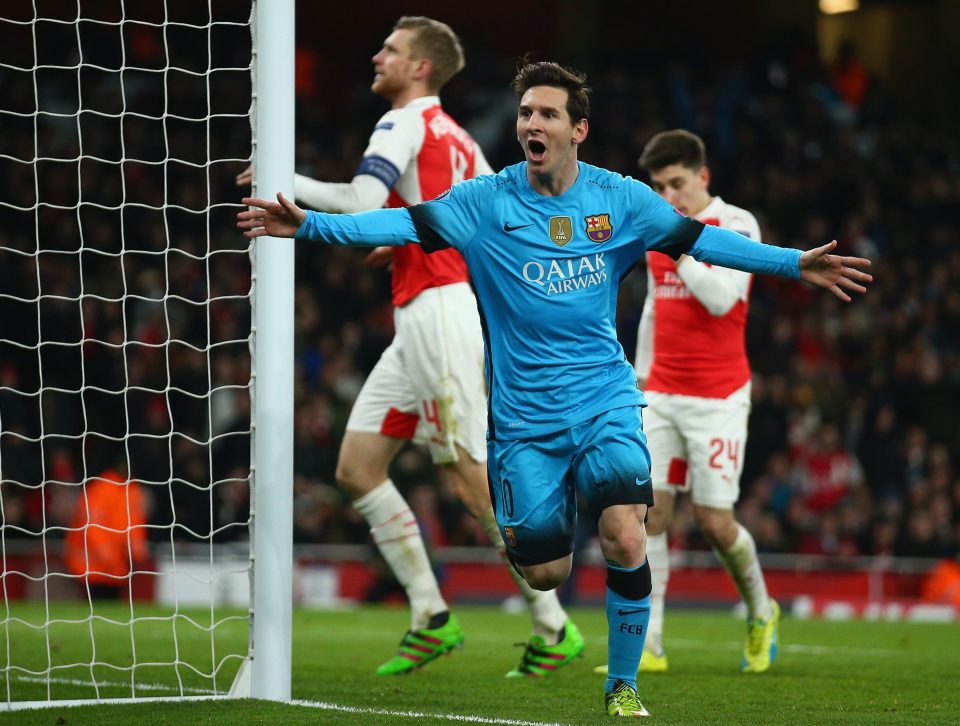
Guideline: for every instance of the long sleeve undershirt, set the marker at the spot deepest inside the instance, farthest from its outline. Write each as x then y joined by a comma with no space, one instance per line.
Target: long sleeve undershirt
364,192
716,288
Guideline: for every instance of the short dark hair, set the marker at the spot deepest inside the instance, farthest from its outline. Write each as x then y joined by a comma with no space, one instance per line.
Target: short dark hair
673,147
437,42
545,73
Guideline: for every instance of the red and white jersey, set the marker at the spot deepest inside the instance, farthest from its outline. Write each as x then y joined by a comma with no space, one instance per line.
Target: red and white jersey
691,336
418,152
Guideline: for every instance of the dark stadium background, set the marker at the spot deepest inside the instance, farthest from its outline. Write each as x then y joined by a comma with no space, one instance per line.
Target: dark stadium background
854,447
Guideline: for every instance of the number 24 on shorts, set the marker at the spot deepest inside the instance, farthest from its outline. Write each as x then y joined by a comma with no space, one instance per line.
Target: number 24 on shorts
723,450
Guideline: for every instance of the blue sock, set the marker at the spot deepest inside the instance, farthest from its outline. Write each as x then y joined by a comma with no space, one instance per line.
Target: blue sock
628,614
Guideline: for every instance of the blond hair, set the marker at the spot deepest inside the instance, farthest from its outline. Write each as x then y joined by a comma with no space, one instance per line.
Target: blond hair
438,43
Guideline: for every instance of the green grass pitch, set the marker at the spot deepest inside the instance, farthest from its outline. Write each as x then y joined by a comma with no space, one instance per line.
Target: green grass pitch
826,672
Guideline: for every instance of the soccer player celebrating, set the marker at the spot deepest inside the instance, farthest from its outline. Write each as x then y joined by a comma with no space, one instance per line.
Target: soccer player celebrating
428,385
547,242
692,365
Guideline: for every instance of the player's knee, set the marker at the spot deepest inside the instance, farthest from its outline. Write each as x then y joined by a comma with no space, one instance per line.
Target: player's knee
547,576
544,582
718,526
623,538
626,546
354,479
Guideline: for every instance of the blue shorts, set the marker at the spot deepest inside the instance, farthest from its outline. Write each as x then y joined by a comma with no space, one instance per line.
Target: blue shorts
534,482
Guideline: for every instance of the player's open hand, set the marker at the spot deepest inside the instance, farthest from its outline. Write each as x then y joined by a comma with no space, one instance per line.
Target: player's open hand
834,272
270,218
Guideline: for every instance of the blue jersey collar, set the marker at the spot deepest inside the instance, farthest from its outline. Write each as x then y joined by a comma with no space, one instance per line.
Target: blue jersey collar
527,191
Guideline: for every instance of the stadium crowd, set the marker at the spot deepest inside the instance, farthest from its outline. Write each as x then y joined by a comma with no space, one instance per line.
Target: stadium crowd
853,446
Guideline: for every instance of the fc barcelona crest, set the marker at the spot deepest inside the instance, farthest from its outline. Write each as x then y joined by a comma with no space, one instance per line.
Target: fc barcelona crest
561,230
599,228
511,536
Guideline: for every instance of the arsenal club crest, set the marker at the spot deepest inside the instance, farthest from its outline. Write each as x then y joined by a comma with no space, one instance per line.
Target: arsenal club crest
561,230
599,228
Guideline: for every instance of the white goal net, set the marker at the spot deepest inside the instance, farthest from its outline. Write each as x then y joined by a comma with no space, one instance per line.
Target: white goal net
125,349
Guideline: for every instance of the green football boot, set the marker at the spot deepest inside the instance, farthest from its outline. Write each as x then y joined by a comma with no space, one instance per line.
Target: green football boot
540,659
419,647
624,701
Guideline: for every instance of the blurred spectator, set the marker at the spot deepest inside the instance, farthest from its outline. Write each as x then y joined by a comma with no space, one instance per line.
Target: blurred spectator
942,584
827,472
849,76
107,539
318,510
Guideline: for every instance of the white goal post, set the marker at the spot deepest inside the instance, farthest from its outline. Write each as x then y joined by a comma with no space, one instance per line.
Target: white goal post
146,352
273,142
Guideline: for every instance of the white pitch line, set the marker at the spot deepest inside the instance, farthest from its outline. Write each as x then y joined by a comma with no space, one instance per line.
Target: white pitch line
783,647
418,714
115,684
322,705
821,649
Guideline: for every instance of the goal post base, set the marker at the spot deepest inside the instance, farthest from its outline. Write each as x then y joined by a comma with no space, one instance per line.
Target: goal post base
242,682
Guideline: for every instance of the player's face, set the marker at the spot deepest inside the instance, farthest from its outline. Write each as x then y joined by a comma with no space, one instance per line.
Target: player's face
682,187
547,134
394,66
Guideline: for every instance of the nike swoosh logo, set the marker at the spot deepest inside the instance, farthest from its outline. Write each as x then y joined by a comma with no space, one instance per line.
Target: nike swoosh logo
508,228
632,611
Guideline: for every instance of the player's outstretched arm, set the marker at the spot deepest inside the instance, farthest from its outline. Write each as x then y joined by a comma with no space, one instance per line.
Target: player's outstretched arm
277,219
835,273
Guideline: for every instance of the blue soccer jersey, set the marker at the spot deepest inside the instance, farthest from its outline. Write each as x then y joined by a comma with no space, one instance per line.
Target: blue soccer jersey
547,271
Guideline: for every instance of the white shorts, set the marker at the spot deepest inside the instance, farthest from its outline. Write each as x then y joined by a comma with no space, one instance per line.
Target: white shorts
428,386
697,444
